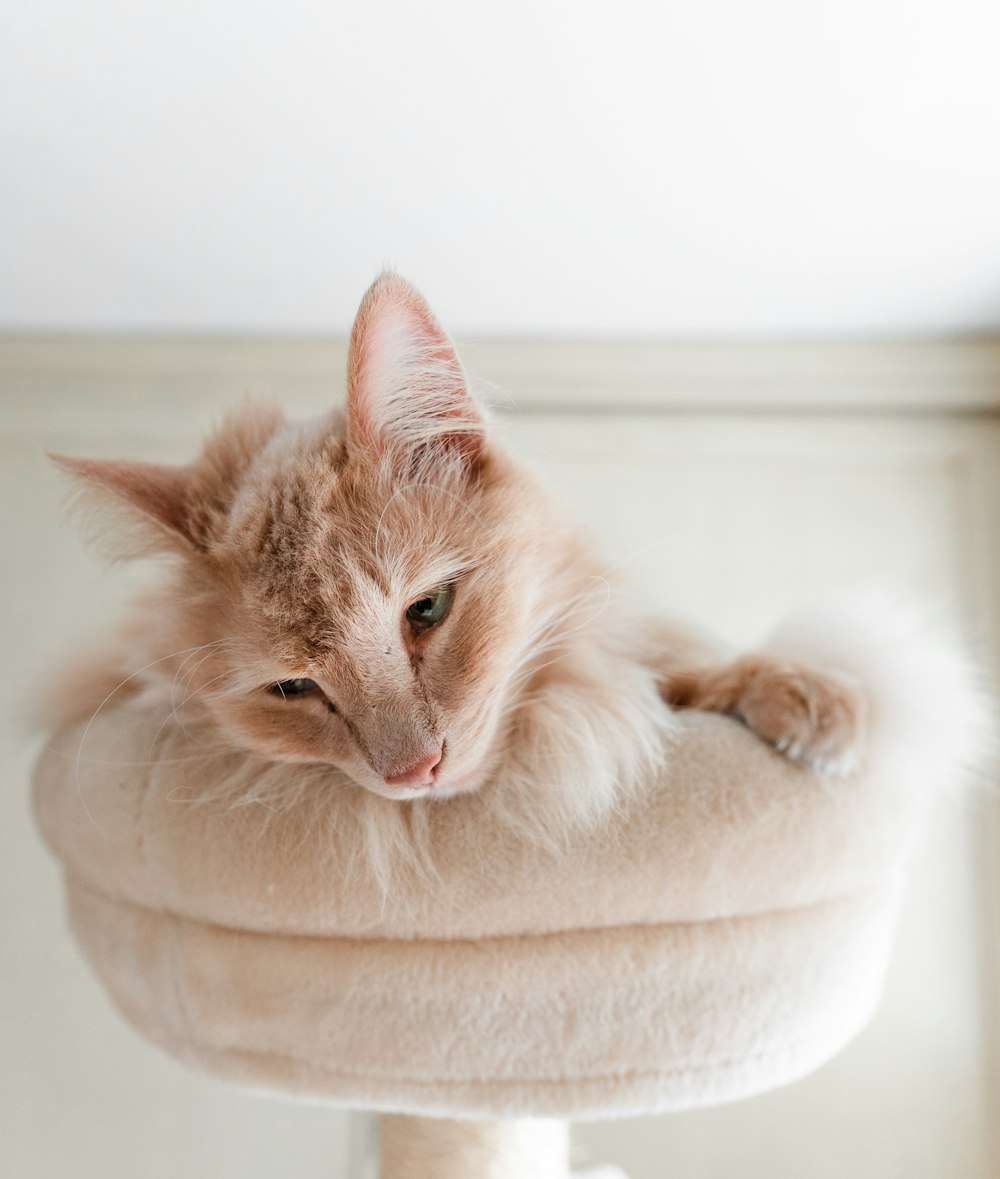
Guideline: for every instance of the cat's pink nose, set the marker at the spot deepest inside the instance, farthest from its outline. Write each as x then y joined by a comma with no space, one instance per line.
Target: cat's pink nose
420,774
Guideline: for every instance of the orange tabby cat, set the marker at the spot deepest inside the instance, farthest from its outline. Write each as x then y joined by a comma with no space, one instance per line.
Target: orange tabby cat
384,591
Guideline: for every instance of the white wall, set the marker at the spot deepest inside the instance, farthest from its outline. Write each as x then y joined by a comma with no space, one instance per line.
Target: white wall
538,167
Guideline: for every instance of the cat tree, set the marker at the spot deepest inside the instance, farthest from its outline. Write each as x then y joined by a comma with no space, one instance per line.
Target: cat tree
726,933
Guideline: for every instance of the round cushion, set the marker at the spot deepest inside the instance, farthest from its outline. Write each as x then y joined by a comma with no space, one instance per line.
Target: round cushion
725,931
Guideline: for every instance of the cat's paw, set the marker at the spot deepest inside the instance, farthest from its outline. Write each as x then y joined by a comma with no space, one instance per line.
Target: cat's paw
808,715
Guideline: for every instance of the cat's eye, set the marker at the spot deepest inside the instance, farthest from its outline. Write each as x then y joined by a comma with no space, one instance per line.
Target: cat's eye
430,609
289,689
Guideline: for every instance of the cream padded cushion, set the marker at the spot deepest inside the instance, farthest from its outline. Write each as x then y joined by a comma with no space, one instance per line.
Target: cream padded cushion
728,932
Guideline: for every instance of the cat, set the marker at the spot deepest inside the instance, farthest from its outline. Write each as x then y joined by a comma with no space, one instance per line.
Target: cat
384,592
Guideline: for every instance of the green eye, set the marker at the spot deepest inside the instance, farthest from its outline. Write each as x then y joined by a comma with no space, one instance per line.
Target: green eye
430,609
290,688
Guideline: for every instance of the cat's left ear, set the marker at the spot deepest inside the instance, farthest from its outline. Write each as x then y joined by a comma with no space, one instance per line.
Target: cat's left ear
406,391
155,499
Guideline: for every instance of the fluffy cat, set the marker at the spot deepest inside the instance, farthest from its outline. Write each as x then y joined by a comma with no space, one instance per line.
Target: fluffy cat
383,591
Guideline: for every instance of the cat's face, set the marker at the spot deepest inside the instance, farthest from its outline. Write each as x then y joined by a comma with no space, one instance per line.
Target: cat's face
366,587
378,616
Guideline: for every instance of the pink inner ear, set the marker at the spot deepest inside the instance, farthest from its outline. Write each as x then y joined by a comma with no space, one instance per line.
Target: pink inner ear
405,381
158,491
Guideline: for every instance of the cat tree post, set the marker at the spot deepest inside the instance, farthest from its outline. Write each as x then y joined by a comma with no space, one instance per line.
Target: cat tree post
444,1148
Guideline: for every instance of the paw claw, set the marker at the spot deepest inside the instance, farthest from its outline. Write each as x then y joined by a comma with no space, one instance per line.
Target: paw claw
809,716
831,765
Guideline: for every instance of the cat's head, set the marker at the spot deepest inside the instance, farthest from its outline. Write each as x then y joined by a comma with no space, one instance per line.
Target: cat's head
365,590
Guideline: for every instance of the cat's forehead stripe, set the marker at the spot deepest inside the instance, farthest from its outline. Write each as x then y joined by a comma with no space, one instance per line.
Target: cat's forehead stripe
345,602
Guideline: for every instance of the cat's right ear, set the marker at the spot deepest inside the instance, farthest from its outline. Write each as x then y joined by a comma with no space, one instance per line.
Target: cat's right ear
152,495
182,509
406,391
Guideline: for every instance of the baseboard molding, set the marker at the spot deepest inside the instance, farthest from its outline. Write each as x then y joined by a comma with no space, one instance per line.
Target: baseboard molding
119,373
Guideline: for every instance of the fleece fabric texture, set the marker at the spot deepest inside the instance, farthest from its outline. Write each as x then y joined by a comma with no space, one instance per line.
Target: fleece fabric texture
727,932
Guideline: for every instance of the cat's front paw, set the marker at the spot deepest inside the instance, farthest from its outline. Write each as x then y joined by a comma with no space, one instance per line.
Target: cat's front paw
808,715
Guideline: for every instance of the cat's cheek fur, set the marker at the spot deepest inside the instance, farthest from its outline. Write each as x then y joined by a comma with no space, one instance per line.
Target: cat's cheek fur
306,732
296,731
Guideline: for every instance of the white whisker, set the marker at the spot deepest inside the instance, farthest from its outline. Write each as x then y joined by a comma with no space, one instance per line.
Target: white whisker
114,691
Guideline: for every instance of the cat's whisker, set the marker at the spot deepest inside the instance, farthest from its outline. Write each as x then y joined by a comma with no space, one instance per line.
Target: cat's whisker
180,669
197,692
378,527
561,641
556,635
532,673
136,762
422,485
213,648
575,605
114,691
178,709
284,802
626,560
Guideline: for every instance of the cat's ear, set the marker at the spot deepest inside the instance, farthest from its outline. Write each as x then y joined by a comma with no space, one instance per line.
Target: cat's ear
176,509
406,391
156,494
